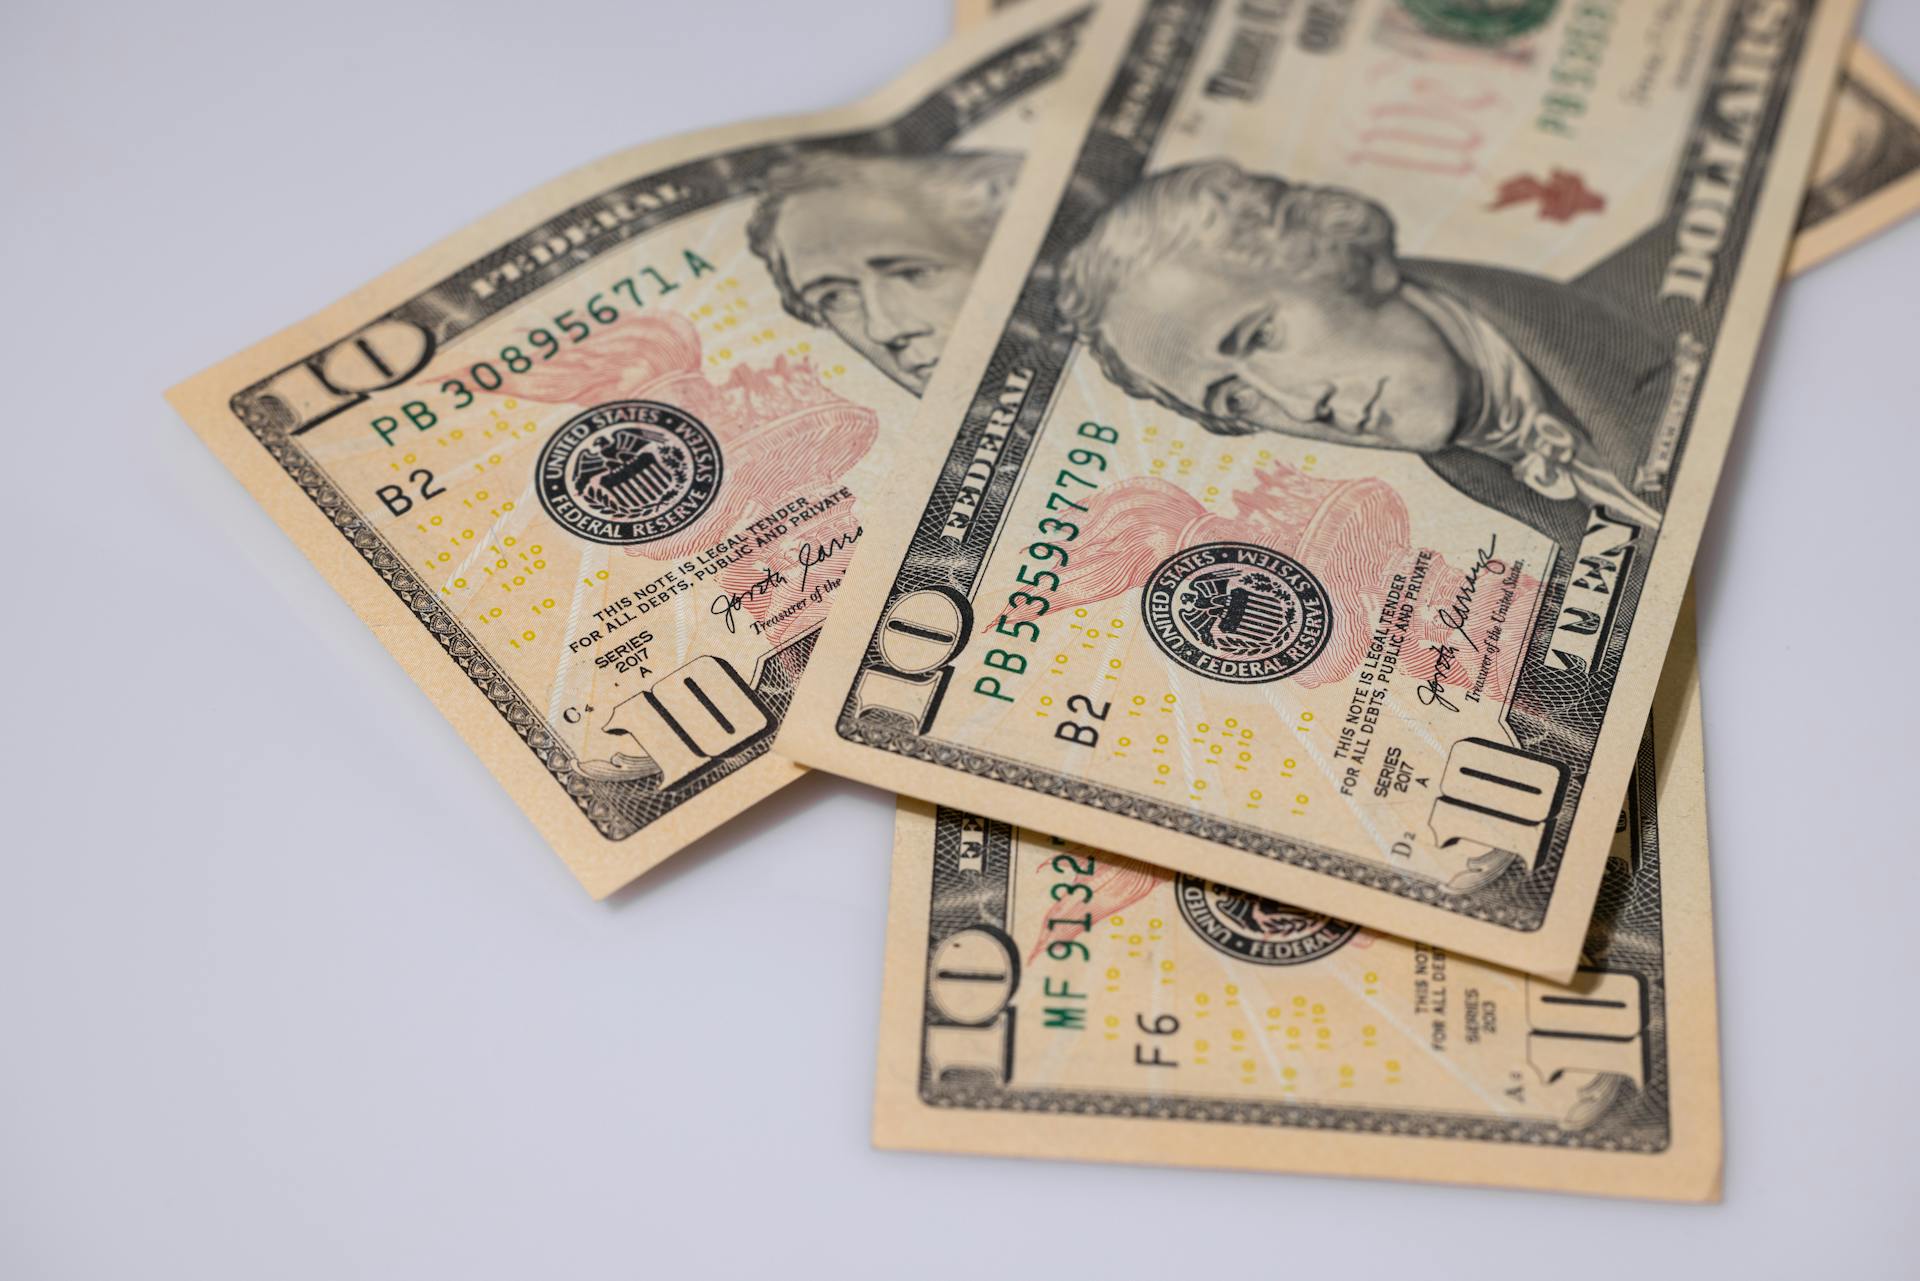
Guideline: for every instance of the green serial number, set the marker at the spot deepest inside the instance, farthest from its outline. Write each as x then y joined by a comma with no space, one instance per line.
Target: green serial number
1028,599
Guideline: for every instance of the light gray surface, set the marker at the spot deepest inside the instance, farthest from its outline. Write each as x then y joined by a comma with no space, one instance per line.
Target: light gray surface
247,1030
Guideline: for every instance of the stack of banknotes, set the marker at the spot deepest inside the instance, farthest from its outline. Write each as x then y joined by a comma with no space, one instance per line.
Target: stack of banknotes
1232,466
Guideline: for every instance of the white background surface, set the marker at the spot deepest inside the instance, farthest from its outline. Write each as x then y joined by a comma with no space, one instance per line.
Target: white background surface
288,988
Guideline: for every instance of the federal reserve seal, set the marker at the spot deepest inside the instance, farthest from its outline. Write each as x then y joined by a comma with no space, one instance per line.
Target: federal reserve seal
629,471
1480,21
1236,612
1258,929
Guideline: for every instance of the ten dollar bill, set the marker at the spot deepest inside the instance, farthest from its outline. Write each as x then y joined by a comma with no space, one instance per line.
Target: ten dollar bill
1046,999
593,468
1311,495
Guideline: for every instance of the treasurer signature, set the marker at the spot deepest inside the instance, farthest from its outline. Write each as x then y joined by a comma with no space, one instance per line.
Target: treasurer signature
1453,616
727,604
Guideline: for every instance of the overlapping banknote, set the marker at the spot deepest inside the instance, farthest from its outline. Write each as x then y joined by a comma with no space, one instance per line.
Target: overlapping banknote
1045,998
595,469
1309,490
1866,176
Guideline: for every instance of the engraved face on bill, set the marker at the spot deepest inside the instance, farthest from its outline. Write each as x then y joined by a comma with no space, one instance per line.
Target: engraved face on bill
1310,495
1045,998
595,467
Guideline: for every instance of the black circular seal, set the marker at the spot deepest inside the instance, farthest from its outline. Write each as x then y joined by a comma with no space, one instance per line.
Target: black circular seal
1236,612
629,471
1258,929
